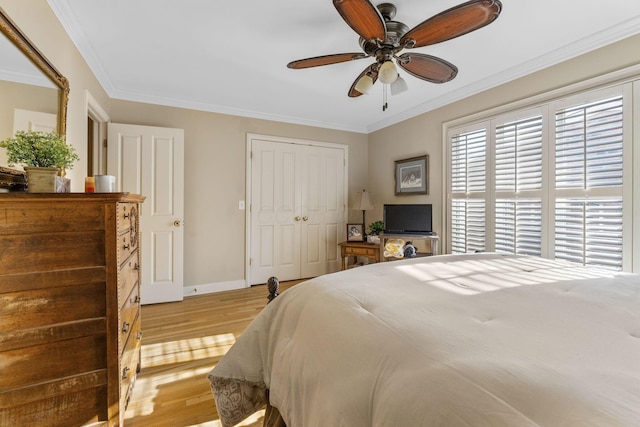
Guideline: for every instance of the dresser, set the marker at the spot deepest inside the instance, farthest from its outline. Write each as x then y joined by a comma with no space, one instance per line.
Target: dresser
70,333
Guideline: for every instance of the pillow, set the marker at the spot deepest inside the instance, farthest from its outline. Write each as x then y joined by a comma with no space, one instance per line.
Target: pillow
394,248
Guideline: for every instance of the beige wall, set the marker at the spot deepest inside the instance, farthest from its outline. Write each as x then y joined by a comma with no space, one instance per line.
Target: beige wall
423,134
215,156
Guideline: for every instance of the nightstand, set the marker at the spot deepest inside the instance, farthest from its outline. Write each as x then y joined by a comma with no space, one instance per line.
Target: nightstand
355,249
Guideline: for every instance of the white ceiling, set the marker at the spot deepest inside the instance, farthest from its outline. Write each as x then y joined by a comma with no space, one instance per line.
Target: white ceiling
230,57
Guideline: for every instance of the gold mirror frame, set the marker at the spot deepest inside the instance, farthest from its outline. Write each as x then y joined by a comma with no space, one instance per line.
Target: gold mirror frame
21,41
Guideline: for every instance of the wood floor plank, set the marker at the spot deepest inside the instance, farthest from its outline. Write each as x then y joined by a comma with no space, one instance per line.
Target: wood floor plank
181,343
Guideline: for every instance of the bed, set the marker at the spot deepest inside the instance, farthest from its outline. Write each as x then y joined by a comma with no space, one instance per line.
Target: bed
453,340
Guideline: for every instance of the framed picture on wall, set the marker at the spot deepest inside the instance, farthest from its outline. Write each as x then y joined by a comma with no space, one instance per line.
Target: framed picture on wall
412,175
355,232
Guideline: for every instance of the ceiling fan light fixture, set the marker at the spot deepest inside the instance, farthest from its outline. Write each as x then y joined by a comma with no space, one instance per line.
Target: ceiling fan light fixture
399,86
388,72
364,84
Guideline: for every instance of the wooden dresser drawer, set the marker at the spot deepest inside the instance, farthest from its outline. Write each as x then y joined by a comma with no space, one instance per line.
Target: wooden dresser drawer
128,277
127,215
130,363
128,315
126,246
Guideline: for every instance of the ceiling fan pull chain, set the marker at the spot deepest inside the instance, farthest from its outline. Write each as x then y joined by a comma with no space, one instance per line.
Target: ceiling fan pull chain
384,97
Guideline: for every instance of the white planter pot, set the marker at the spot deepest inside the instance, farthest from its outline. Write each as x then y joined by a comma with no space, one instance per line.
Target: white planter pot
373,239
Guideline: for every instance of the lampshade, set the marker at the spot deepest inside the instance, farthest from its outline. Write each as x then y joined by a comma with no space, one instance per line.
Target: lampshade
363,202
388,72
364,84
399,86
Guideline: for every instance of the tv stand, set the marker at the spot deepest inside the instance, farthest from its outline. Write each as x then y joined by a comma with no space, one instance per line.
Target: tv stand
430,241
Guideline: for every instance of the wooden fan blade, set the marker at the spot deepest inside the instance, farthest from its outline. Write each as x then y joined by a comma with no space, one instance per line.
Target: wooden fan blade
373,73
317,61
427,67
363,17
454,22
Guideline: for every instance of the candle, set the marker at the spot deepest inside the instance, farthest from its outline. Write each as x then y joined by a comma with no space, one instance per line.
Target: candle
89,185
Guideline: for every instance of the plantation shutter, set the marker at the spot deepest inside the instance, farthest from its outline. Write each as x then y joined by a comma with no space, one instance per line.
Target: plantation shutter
589,231
589,141
518,178
519,226
589,145
468,187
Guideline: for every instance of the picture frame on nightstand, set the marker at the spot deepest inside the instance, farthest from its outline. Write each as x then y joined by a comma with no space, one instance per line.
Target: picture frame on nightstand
355,232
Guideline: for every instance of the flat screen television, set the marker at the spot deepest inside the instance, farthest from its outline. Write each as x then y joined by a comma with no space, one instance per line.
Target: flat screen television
407,219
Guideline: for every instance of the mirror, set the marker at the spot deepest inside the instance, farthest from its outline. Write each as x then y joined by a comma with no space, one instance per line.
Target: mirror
29,83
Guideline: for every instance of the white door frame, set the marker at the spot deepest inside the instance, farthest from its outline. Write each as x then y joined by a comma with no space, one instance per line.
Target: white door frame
248,167
95,111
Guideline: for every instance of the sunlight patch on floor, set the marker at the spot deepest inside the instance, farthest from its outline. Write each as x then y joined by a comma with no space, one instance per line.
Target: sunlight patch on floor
186,350
149,388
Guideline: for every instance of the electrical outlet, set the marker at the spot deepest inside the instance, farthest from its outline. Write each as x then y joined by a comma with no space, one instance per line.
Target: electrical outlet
241,205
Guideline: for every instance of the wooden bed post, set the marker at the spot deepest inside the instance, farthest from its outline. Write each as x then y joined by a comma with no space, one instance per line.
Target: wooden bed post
273,284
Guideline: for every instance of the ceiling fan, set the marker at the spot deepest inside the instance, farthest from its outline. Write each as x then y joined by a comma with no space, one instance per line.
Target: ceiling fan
382,38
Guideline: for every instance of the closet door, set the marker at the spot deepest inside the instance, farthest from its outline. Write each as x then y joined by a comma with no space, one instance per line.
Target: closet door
297,210
275,216
322,209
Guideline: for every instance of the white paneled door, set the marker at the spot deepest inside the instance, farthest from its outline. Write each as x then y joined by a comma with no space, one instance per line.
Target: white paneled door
150,161
297,209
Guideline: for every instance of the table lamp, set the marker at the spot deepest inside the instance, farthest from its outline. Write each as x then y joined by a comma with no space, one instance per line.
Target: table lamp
363,203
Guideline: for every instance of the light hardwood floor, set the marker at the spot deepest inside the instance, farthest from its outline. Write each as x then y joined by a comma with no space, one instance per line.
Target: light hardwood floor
181,343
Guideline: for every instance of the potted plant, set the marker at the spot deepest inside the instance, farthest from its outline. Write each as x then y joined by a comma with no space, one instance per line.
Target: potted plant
43,155
375,228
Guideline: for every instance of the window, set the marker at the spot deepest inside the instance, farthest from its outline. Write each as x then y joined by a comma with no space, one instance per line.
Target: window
546,181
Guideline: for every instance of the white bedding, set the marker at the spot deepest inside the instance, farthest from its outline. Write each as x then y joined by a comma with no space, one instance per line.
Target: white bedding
453,340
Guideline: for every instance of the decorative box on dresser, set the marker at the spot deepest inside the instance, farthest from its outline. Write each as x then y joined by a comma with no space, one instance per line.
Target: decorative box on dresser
69,307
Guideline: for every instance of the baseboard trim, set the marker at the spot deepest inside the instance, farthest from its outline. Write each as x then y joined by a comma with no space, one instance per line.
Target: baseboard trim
209,288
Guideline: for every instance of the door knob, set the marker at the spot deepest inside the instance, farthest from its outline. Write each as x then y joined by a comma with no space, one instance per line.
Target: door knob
305,218
297,218
176,223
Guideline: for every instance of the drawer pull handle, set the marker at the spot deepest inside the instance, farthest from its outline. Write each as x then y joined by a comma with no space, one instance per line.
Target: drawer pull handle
126,215
135,299
136,266
125,372
139,335
125,246
125,327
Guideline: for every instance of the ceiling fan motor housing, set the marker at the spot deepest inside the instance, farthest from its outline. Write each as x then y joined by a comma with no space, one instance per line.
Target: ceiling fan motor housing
387,10
394,30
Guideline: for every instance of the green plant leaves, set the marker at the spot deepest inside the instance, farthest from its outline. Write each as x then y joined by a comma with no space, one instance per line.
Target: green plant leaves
40,149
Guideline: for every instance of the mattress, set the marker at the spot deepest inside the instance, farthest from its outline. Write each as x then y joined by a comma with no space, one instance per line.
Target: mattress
452,340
